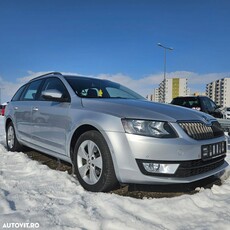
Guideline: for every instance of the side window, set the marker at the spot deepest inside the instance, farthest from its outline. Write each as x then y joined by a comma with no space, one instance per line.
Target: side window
209,105
31,91
213,105
18,94
54,84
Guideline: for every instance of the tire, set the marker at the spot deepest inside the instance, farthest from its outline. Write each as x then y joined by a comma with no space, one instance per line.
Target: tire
11,140
93,163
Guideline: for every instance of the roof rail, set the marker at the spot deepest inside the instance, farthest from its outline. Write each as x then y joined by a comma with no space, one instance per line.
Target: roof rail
50,73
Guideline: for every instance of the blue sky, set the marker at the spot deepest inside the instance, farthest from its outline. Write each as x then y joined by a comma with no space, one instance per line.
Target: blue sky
115,39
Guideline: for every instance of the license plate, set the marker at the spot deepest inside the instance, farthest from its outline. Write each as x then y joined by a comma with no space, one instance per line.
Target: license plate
213,150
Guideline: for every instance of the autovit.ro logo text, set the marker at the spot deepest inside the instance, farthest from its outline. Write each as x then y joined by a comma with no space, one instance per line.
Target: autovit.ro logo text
20,225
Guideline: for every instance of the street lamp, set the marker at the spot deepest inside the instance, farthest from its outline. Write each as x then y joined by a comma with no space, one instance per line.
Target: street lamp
164,84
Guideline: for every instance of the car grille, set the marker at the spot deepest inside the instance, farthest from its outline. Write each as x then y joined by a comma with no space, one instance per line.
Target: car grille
200,131
195,167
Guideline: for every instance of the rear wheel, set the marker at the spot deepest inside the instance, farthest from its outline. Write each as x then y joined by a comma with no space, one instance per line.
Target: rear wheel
93,163
11,139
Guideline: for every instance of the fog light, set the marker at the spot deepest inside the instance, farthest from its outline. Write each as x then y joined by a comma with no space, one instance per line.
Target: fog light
160,168
151,167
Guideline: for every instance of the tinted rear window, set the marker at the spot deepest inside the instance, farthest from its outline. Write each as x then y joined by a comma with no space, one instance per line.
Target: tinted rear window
189,102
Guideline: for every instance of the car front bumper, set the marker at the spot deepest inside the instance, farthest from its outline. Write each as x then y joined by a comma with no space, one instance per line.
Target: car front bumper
129,152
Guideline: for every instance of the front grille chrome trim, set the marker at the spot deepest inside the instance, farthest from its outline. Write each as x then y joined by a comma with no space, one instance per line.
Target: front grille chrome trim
200,131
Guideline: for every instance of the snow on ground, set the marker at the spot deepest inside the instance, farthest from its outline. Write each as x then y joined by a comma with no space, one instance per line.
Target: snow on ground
33,195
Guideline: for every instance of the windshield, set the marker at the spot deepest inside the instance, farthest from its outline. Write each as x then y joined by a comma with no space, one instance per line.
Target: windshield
97,88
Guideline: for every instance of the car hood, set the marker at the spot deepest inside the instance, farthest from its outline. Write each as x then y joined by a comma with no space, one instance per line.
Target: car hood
143,109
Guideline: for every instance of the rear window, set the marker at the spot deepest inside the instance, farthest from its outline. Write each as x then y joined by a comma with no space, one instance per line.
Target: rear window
31,91
189,102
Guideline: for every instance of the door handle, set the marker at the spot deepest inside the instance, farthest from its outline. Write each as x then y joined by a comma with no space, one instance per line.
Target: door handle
35,108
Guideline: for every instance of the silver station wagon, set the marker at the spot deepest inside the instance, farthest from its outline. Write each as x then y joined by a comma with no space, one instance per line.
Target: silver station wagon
111,134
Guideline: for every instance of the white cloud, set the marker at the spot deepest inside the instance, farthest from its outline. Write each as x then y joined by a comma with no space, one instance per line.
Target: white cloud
195,78
143,85
7,90
146,84
30,75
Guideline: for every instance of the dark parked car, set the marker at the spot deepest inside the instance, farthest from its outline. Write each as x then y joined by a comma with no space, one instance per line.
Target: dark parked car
201,103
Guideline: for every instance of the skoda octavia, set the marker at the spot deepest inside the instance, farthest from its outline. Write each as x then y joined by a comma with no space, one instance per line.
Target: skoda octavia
111,134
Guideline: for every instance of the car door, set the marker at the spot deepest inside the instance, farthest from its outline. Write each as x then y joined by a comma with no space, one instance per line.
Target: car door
50,118
22,109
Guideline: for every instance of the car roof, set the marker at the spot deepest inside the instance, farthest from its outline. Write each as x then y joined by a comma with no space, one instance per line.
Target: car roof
192,96
47,74
50,74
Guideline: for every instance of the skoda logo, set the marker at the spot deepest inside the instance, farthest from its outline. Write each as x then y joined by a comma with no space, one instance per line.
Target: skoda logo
206,120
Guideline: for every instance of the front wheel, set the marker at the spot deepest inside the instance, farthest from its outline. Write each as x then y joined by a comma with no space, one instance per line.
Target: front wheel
11,139
93,163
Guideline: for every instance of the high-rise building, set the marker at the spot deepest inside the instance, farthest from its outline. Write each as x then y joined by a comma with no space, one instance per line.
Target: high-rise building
210,90
173,87
154,96
219,91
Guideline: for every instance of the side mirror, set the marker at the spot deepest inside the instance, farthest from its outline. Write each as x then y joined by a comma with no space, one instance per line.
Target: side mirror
53,95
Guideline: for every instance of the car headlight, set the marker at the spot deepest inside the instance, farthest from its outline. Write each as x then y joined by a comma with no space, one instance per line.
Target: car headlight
160,129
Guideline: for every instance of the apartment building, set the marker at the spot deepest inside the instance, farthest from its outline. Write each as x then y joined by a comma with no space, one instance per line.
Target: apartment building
173,87
154,96
219,91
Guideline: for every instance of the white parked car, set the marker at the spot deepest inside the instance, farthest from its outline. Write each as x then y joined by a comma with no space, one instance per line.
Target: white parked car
226,113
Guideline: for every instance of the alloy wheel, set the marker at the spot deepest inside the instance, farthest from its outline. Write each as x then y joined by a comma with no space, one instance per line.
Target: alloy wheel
10,137
89,161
